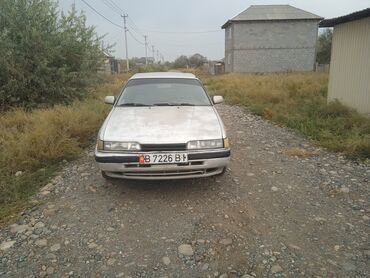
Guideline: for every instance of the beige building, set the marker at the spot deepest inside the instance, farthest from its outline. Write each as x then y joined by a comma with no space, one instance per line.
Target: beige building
349,78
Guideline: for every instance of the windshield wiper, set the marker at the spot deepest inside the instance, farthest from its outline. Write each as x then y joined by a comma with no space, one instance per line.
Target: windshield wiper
185,104
133,104
163,104
172,104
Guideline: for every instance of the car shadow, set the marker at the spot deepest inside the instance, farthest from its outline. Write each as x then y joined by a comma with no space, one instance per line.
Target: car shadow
186,186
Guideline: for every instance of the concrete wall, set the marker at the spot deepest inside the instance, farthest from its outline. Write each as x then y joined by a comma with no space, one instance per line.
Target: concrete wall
349,78
228,49
271,46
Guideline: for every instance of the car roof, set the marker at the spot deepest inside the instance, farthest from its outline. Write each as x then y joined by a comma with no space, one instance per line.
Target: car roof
164,75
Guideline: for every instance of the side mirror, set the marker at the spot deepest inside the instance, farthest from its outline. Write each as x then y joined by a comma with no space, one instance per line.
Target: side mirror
217,99
109,100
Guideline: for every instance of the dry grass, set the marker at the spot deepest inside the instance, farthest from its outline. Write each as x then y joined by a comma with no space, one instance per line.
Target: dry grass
298,101
299,152
30,141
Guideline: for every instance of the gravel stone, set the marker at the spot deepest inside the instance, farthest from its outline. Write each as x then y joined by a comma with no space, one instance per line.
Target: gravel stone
50,270
18,229
226,241
6,245
276,269
55,247
41,242
111,261
166,260
205,267
18,173
186,250
39,225
92,245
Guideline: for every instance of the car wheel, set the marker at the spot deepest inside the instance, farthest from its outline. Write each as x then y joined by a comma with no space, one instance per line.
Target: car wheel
223,172
106,176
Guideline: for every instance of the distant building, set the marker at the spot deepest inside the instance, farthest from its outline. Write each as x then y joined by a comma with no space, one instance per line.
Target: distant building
349,78
110,65
271,38
216,67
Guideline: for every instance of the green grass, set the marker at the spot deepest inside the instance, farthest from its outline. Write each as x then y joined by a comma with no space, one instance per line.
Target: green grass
299,101
15,191
35,142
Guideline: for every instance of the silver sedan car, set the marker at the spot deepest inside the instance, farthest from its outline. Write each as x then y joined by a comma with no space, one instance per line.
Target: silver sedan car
162,126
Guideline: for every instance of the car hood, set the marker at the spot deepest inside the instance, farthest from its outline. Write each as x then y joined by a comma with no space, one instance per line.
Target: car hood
161,125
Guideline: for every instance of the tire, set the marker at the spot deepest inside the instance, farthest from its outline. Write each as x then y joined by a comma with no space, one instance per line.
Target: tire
223,172
105,176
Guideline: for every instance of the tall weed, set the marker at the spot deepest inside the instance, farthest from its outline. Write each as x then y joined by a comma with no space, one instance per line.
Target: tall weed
39,139
299,101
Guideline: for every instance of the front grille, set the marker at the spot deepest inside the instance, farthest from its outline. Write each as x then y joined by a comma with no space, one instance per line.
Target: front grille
168,173
165,173
195,163
163,147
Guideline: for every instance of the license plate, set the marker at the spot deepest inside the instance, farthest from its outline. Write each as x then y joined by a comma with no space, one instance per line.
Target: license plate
163,158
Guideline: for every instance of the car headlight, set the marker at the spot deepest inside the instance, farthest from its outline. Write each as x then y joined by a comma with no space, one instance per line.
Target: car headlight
118,146
100,145
205,144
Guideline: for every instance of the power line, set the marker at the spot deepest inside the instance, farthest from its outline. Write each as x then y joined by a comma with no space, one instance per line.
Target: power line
109,5
132,35
182,32
116,6
135,27
119,26
113,6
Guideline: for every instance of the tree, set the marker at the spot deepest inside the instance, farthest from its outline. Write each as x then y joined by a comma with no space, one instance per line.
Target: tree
197,60
324,47
181,62
45,57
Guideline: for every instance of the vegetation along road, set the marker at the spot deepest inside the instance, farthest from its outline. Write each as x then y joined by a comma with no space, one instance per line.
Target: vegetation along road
284,208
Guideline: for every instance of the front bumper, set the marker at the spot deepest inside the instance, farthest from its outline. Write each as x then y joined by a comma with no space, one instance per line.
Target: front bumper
200,164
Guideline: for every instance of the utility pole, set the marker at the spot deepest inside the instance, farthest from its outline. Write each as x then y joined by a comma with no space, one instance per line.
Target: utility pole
146,49
125,29
153,53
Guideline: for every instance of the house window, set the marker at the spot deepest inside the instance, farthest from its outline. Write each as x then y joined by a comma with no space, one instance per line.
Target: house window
229,59
229,32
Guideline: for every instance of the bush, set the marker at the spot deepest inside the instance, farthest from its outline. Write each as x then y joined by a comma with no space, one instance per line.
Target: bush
324,42
45,57
34,142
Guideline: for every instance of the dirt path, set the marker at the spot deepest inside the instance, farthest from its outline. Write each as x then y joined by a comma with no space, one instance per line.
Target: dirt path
271,214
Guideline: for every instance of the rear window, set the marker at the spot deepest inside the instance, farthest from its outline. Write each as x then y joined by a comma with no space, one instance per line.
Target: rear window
163,92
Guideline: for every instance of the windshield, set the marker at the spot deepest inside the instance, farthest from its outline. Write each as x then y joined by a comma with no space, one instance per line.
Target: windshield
163,92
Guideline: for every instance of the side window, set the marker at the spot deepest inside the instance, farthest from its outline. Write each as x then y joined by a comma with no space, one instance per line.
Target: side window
229,31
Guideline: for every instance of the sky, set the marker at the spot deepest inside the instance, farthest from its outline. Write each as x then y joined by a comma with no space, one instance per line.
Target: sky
177,27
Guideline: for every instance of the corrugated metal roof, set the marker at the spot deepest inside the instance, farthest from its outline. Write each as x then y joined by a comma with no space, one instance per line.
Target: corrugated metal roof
346,18
272,12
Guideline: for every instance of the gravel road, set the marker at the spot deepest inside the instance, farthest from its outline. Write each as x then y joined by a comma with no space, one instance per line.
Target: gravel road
271,214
